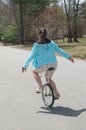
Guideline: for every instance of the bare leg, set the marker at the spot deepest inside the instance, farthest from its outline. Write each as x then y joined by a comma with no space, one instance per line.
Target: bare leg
38,79
53,85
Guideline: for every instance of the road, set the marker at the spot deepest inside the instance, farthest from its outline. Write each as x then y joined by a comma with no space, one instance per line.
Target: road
22,109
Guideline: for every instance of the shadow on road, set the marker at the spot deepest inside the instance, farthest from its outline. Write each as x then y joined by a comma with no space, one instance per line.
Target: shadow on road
65,111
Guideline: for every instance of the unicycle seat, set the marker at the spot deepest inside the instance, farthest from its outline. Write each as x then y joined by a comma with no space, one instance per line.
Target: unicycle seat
50,69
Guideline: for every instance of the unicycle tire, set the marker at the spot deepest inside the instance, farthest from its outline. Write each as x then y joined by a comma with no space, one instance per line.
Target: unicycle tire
48,95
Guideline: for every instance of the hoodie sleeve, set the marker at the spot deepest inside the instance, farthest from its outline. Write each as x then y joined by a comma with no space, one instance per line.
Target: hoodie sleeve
61,51
30,56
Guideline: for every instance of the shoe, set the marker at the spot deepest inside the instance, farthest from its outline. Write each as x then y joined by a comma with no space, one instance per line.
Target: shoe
57,97
39,90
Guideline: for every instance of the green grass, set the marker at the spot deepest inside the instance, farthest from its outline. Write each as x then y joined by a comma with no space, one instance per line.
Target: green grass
77,50
81,41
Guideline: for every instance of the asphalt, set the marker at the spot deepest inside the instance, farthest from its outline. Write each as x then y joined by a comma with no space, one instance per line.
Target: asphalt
22,109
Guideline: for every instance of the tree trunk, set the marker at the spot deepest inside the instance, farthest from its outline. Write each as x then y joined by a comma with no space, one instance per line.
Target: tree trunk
68,15
75,19
21,25
75,30
69,31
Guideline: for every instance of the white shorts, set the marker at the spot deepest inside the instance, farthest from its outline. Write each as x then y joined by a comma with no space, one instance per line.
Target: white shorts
45,69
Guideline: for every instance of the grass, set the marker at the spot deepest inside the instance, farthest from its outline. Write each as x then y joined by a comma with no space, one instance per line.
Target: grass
77,50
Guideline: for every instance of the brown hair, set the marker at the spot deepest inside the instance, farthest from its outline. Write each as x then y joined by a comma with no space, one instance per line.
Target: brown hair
42,32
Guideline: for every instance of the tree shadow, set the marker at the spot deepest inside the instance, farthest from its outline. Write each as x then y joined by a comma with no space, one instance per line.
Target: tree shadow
65,111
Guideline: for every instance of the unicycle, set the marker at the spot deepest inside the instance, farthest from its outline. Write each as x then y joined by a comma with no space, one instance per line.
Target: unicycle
47,93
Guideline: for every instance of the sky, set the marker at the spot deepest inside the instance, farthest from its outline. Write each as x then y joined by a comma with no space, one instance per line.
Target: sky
82,0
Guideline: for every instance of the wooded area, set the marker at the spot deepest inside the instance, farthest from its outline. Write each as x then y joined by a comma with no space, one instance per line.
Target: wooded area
20,19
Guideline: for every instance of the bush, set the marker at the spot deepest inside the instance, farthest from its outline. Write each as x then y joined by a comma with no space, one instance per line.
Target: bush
1,32
9,34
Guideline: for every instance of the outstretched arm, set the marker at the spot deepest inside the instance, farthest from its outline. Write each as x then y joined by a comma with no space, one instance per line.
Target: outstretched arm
63,53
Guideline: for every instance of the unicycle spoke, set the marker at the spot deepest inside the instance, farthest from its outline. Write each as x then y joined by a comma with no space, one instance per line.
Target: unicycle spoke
47,95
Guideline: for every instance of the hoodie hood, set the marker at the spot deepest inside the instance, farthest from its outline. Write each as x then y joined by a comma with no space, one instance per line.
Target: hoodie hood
45,41
45,45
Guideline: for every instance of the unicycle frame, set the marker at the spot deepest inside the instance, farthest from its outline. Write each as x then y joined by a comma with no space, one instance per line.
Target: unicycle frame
47,93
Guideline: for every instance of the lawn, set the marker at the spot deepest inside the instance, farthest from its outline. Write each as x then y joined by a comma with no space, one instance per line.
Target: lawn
77,50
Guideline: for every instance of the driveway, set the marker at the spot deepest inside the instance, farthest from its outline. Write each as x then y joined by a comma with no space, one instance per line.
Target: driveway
22,109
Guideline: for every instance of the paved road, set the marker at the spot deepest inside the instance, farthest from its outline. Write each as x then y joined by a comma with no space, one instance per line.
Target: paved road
22,109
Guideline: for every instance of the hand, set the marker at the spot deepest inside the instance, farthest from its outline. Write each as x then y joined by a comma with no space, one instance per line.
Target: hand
23,69
71,59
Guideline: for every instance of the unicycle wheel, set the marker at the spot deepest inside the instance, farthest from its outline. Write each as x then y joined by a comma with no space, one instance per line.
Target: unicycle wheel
48,95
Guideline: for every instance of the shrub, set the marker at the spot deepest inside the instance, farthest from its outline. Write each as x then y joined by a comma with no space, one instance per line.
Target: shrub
9,34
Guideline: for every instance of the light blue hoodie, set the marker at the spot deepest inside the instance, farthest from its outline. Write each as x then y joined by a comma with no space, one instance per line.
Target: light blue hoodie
42,54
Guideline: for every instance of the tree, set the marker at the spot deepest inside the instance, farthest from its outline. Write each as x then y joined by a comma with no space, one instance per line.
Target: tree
51,19
67,5
72,10
75,19
36,5
20,3
82,18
